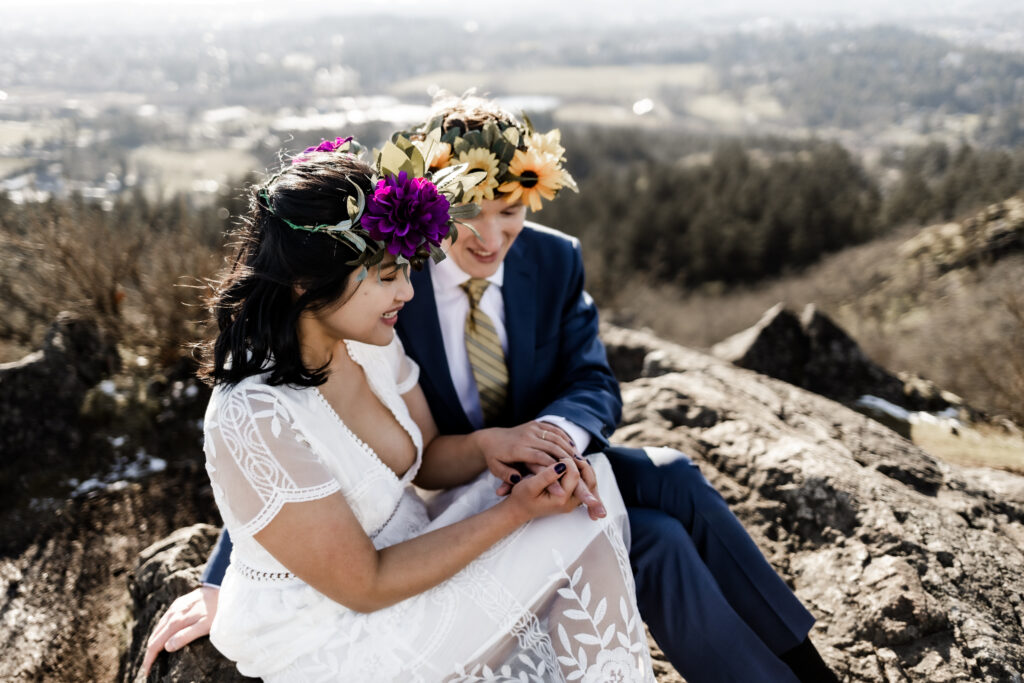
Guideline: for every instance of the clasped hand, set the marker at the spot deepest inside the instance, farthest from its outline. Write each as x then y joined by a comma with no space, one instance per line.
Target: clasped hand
525,450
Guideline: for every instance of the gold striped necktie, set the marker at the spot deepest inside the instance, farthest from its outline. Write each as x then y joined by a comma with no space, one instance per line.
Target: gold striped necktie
485,354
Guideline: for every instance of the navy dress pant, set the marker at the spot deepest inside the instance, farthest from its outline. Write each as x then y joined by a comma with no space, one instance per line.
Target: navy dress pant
712,601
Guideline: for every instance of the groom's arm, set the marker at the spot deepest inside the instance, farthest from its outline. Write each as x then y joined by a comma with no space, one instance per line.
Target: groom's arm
217,565
586,392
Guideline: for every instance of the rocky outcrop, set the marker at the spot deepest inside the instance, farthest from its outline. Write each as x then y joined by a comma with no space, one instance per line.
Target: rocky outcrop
67,613
167,569
813,352
912,566
40,395
991,234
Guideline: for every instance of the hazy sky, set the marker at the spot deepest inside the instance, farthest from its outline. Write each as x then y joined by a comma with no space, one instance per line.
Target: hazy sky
115,15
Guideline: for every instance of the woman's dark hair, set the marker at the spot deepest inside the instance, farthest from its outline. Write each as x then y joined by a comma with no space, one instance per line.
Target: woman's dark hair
256,304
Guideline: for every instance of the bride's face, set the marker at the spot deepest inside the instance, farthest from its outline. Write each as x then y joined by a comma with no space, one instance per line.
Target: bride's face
367,312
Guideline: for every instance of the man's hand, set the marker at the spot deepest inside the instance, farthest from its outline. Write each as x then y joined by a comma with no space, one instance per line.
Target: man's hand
188,618
536,445
533,443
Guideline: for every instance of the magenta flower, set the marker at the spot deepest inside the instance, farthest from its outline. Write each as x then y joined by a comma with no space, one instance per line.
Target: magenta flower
324,146
406,213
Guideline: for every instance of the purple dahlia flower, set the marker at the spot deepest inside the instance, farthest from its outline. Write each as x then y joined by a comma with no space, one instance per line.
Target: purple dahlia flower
406,213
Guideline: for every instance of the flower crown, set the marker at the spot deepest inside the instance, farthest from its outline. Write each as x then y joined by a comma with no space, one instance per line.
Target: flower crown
409,213
518,163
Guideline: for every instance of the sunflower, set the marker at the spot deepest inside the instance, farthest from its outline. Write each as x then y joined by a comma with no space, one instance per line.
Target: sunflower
535,175
441,157
481,159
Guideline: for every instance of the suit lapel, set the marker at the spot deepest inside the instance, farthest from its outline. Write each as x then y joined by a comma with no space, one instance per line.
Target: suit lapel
518,292
423,341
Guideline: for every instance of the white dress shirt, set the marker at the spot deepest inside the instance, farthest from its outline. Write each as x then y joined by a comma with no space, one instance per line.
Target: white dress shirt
452,311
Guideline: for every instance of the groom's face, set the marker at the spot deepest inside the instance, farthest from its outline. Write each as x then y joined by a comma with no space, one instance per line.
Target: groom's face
499,223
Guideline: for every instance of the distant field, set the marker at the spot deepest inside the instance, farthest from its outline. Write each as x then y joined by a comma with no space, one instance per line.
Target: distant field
600,83
605,94
9,167
19,132
724,109
606,115
169,172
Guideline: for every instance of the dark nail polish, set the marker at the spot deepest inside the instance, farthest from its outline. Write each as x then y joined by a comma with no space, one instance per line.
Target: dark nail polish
578,456
560,467
514,478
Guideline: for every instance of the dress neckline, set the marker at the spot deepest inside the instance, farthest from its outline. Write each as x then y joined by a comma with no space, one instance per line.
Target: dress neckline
413,468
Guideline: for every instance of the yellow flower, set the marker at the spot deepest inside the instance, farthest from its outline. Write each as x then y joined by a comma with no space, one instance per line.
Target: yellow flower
441,157
548,143
481,159
538,175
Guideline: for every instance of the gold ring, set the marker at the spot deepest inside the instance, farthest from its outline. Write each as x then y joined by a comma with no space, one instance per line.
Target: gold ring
544,434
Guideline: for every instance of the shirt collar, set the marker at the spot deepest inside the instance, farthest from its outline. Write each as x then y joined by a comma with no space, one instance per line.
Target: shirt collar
448,275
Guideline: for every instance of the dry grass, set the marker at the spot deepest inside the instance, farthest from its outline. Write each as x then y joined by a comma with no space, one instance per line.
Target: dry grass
964,330
137,281
704,316
973,447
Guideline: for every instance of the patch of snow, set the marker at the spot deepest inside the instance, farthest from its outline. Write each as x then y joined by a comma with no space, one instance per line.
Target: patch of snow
948,417
883,406
123,471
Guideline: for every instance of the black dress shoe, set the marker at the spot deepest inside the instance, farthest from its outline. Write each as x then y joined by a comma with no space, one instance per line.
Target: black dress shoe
807,664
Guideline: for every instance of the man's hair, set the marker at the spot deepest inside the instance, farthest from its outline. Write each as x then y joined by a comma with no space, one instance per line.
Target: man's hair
469,112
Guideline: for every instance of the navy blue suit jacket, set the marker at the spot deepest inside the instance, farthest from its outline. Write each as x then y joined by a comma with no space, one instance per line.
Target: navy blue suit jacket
557,365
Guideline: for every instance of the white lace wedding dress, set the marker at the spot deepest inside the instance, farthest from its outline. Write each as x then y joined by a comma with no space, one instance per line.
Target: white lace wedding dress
553,601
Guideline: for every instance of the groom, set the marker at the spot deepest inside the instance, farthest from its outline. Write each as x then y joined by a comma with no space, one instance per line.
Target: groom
711,600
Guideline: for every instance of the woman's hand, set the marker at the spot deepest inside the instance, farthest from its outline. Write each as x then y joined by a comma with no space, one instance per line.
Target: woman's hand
528,449
534,496
189,617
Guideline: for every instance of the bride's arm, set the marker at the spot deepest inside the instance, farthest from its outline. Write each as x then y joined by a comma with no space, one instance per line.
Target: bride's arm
448,461
322,543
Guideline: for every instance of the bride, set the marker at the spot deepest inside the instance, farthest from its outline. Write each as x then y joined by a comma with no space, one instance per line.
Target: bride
316,432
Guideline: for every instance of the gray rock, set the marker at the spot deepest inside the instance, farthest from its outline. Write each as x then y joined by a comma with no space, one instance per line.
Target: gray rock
814,353
776,345
913,567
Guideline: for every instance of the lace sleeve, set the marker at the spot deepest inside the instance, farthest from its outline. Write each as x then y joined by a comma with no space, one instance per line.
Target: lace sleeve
403,368
258,460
